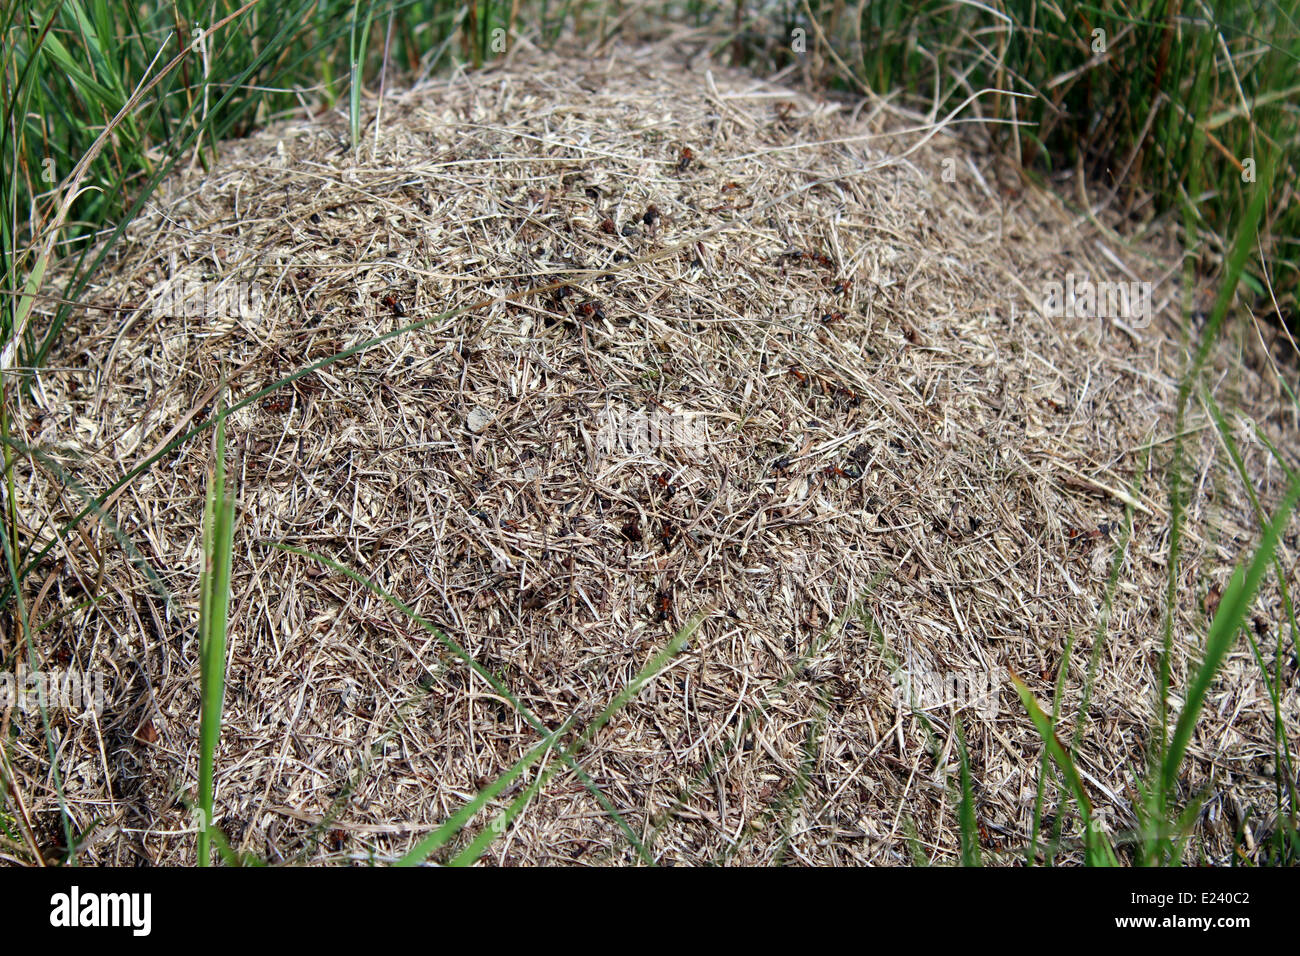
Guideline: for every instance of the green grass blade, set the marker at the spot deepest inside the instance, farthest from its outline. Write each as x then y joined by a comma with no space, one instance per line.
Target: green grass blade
485,839
496,684
214,605
1227,622
456,822
970,834
1098,849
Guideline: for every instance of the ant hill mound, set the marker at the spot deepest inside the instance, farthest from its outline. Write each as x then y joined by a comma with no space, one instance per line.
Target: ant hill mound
749,442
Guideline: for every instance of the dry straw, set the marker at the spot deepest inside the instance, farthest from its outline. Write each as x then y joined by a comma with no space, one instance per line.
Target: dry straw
800,366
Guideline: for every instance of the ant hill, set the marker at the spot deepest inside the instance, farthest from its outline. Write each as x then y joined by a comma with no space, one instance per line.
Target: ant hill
570,357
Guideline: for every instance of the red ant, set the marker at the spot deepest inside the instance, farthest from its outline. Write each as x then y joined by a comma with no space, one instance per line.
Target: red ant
591,310
847,395
662,481
664,602
684,160
1086,536
795,255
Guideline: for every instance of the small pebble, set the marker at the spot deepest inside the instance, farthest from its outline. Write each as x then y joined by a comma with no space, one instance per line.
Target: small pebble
478,420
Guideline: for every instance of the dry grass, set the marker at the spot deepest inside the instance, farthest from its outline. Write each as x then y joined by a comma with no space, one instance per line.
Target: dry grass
907,442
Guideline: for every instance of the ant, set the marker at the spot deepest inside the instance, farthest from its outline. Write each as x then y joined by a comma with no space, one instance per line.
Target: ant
650,215
558,296
1087,536
592,310
853,472
664,483
390,302
846,395
685,159
664,603
843,286
830,317
795,255
279,403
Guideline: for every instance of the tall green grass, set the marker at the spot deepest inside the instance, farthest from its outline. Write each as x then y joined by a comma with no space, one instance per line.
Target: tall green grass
100,99
1166,106
1166,818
